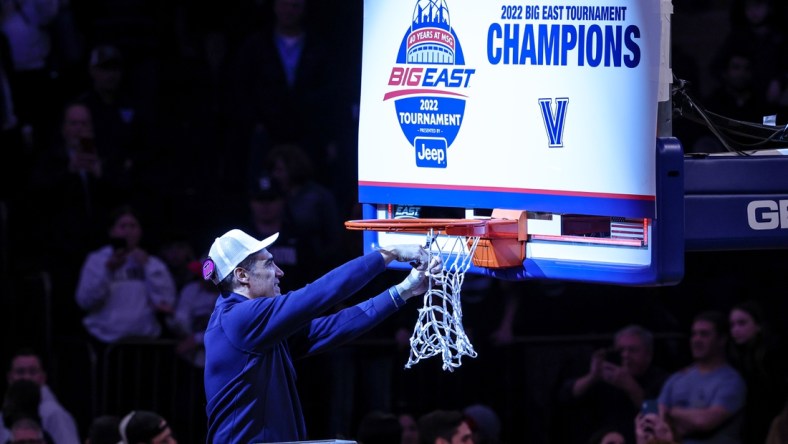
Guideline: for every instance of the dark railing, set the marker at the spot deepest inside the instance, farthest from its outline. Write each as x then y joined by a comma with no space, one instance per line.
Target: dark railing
149,375
517,380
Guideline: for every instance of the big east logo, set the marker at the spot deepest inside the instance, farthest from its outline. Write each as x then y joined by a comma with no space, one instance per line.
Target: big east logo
428,84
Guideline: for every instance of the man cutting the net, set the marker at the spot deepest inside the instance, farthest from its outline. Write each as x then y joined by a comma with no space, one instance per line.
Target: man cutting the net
255,331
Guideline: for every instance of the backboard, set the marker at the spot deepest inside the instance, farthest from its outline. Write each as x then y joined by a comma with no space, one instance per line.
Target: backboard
548,108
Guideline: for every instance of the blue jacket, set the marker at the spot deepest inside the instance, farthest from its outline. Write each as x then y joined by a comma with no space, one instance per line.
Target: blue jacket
250,382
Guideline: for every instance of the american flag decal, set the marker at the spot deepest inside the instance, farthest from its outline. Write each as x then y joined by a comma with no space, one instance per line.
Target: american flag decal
627,228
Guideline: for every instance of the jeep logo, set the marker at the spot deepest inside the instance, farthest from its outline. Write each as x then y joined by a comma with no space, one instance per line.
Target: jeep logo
430,152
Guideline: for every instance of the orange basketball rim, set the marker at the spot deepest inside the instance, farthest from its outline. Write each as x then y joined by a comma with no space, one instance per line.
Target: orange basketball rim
502,237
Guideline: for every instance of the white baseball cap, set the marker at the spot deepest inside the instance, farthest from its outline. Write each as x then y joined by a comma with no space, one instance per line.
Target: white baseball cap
229,250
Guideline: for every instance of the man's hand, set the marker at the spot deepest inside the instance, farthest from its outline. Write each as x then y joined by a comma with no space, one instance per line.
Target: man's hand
688,420
417,283
616,376
594,375
405,253
116,260
620,378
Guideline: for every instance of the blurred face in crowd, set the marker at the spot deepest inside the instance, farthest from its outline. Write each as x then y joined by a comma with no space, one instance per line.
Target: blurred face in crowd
463,435
77,124
739,73
705,342
612,438
127,227
743,327
107,77
27,367
635,356
410,429
756,11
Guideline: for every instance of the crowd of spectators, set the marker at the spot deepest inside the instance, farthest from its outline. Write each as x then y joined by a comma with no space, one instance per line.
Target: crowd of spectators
190,118
732,390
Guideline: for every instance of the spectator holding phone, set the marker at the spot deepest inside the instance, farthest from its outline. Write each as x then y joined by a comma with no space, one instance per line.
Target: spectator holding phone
69,184
122,287
75,153
618,380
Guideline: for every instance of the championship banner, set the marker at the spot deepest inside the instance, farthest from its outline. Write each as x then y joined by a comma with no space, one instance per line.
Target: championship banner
545,105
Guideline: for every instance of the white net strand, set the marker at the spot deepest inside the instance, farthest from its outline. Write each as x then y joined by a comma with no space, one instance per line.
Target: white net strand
439,329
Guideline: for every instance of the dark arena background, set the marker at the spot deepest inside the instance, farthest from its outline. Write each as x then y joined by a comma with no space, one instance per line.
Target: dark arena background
189,106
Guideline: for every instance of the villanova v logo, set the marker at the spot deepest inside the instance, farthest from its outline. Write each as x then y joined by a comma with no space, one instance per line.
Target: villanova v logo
554,122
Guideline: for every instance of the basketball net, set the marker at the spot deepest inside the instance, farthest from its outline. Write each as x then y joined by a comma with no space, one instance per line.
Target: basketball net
439,329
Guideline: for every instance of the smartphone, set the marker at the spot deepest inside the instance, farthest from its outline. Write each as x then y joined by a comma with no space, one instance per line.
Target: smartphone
613,356
649,406
118,243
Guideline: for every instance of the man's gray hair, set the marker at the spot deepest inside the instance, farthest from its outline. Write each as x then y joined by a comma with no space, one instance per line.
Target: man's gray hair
229,283
635,330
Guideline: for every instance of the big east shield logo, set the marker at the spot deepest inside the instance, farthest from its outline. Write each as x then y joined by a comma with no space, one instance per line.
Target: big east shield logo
429,83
